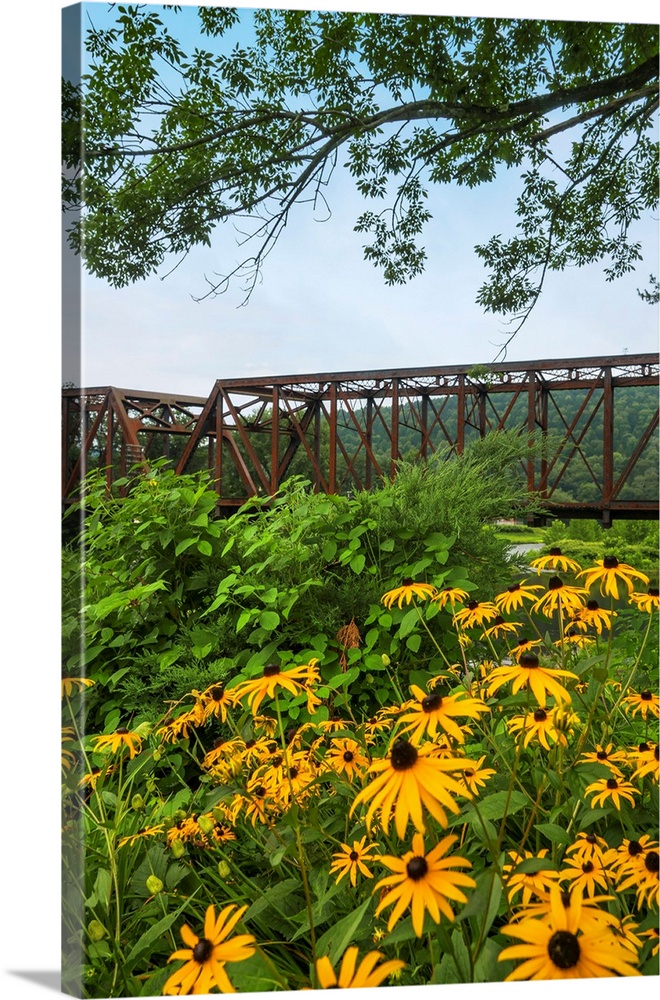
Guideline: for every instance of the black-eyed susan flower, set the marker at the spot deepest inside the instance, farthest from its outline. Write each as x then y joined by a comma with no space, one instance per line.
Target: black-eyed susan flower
368,974
555,559
147,831
565,946
524,645
515,596
607,572
72,685
645,703
475,613
529,674
115,742
499,627
606,755
528,883
628,858
537,725
451,596
647,763
592,912
296,680
593,616
575,639
346,757
205,958
647,602
424,882
587,873
351,860
560,597
408,781
216,699
644,879
615,789
430,711
407,591
476,777
588,846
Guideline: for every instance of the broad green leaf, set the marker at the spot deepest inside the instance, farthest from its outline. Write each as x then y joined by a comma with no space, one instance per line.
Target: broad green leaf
335,940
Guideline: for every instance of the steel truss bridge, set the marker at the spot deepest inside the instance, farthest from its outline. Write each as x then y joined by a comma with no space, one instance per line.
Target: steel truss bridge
346,431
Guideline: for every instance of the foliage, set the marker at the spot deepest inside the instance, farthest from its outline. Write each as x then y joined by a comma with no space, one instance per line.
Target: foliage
216,800
166,144
633,542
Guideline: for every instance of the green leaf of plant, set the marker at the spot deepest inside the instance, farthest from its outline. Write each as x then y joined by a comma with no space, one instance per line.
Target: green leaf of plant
553,832
269,620
345,932
147,940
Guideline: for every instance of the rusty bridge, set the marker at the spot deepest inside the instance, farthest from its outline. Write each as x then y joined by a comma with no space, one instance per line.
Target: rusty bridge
594,422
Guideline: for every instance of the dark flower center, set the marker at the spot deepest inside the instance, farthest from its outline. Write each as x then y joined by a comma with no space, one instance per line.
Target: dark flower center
417,868
540,715
612,783
528,660
403,756
645,696
653,592
469,773
293,772
217,692
601,755
348,756
218,743
555,552
354,855
407,582
564,949
610,562
555,583
587,867
651,861
432,702
271,669
277,761
260,791
643,747
121,731
513,588
593,606
591,838
472,605
250,744
497,621
634,848
655,753
202,950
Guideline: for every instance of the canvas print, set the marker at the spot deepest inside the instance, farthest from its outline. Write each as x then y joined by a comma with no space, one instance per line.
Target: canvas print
360,500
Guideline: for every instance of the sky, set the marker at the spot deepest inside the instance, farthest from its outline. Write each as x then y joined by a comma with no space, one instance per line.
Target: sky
322,307
29,434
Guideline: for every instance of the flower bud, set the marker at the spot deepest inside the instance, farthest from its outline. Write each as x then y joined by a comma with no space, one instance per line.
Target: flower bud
137,803
385,659
206,824
223,869
155,885
96,930
157,754
178,848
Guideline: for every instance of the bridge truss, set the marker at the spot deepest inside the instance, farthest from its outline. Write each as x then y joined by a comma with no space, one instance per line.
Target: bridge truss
347,431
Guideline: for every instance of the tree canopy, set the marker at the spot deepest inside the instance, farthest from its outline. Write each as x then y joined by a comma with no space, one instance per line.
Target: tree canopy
162,145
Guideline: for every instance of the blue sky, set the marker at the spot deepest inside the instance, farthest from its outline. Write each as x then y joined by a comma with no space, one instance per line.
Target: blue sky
321,307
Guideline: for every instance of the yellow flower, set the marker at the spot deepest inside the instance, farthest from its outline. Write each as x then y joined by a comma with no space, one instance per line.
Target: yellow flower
648,763
450,595
607,756
477,776
407,591
608,570
71,685
564,946
643,703
206,957
410,780
350,860
346,757
646,602
499,627
611,788
559,597
120,738
587,873
295,680
368,973
594,616
515,596
475,613
216,700
424,882
433,710
528,673
537,725
524,646
555,560
529,883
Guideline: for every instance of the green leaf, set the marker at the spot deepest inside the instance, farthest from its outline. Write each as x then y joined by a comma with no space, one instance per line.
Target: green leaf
146,941
205,548
269,620
554,833
185,544
495,806
413,642
345,932
409,621
357,563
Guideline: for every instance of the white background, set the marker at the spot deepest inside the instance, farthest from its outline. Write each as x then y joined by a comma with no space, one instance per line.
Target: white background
29,822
